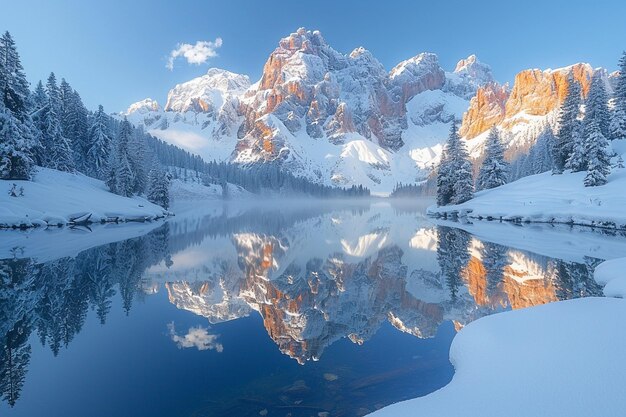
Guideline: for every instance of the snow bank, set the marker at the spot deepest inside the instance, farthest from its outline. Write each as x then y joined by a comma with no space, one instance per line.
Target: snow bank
559,359
549,198
60,198
612,274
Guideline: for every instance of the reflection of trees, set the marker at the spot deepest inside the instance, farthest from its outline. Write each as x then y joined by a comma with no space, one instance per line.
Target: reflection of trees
495,259
574,280
452,255
54,298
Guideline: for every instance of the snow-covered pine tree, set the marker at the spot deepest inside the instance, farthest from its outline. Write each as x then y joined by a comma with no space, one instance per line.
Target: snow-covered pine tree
577,160
99,145
158,186
494,170
598,155
542,151
139,164
121,177
617,127
597,104
618,116
16,126
15,156
455,183
567,125
444,179
463,180
39,101
58,154
74,123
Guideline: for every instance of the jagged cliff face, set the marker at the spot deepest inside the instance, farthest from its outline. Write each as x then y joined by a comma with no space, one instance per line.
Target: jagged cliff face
343,119
321,114
535,94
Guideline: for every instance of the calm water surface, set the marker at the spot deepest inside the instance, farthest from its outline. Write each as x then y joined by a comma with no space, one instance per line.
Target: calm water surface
312,310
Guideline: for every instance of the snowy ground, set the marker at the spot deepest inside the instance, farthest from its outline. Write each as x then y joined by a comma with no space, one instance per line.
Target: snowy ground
551,199
612,274
559,359
60,198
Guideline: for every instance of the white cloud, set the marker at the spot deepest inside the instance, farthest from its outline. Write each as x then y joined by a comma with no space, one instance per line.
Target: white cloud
197,337
194,54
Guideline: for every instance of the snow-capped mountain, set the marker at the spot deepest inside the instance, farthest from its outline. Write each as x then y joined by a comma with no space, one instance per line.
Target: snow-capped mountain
343,119
335,118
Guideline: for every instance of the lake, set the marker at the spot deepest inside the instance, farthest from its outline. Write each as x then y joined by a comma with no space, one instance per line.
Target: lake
284,309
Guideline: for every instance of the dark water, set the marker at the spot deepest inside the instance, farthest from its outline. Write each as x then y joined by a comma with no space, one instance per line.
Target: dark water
261,311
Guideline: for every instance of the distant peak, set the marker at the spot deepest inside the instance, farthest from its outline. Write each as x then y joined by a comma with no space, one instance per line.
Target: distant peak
463,64
144,106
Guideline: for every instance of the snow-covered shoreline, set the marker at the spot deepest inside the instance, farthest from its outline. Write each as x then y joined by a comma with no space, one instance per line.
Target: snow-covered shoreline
517,361
55,198
558,359
547,198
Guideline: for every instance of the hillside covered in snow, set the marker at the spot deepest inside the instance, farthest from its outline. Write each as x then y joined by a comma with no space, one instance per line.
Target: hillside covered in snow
55,198
548,198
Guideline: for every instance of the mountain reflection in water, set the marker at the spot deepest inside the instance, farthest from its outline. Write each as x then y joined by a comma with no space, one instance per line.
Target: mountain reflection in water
312,278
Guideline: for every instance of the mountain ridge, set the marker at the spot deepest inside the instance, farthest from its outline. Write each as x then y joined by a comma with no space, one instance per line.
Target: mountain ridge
343,119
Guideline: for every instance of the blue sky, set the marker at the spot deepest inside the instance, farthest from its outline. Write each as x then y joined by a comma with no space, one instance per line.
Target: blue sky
115,52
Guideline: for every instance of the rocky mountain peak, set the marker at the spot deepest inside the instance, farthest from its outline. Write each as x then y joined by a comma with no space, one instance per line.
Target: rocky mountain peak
469,75
142,107
207,93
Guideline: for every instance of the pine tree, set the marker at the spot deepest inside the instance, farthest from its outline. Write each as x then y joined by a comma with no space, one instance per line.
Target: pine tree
444,180
15,154
158,187
598,155
121,178
618,119
74,124
17,140
568,116
494,171
13,84
597,105
137,159
455,183
577,160
99,146
618,122
57,150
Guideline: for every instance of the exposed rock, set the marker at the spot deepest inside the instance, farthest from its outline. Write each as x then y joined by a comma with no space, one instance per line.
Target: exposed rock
487,108
469,75
144,106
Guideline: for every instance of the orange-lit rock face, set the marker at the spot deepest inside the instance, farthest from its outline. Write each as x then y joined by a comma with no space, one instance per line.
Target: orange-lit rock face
514,289
528,293
539,92
535,93
487,108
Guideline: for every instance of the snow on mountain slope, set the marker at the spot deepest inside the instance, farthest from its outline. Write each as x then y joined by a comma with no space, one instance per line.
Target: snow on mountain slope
59,198
200,116
312,101
338,119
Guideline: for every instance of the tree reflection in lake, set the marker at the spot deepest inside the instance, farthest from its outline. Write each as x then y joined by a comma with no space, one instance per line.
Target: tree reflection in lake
313,276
